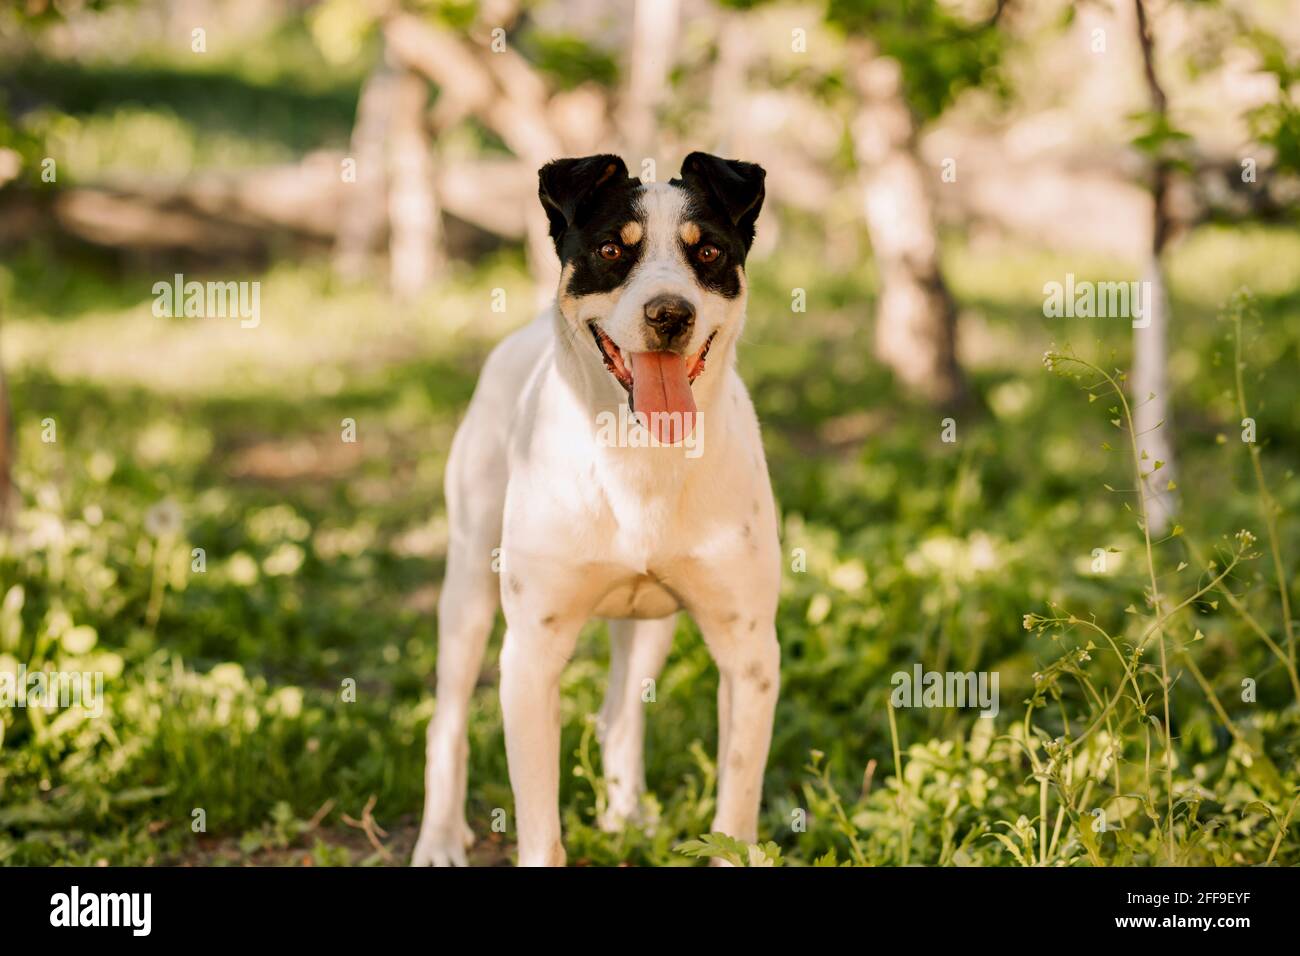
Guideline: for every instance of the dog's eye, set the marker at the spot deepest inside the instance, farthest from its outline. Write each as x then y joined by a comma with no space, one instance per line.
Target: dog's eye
610,251
708,253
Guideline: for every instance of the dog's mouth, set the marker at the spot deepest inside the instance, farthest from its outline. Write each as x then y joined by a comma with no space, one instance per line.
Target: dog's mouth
623,371
658,384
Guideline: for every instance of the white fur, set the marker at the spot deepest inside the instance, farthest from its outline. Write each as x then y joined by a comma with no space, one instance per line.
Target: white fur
630,534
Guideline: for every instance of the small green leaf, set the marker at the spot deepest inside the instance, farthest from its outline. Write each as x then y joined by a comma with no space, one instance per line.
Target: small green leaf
1259,806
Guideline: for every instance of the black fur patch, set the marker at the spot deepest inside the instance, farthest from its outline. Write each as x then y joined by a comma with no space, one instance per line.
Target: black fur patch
733,188
726,196
581,244
588,202
722,275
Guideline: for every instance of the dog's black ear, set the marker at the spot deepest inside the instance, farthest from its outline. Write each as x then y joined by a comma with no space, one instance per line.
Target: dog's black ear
736,187
567,186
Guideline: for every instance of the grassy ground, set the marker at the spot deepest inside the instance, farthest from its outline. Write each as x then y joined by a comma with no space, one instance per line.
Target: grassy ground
225,688
229,690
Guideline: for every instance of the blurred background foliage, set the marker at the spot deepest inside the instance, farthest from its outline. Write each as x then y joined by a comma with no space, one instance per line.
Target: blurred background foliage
225,688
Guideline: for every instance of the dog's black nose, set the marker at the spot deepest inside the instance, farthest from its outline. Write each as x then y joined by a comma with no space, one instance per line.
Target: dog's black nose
669,316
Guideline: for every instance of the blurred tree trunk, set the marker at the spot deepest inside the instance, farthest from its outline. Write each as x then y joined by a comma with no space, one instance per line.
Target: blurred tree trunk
391,191
7,497
502,90
916,324
654,36
1150,386
728,87
363,215
1150,391
415,225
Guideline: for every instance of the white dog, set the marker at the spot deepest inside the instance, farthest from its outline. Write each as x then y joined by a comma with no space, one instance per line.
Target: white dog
675,512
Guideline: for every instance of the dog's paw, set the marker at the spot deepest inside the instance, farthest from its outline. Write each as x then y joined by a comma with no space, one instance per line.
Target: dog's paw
443,846
551,856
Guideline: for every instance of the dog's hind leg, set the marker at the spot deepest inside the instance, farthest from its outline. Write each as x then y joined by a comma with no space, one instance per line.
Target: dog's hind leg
637,651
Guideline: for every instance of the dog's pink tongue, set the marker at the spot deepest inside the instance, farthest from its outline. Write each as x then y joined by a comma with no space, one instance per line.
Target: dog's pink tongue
661,392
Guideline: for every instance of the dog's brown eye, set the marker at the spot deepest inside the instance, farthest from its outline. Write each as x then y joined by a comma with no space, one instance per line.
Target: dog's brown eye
611,251
708,253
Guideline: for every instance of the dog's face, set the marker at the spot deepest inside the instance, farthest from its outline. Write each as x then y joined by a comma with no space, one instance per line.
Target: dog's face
653,275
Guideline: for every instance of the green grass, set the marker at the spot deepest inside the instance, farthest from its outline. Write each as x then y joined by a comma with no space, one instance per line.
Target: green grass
223,688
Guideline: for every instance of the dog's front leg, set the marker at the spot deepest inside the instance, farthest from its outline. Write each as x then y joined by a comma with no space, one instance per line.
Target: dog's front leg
749,665
532,660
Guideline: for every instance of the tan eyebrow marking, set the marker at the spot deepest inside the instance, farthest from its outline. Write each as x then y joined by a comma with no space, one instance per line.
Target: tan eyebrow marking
630,233
690,233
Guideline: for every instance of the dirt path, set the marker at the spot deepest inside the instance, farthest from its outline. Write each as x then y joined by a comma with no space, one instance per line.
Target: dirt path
490,850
